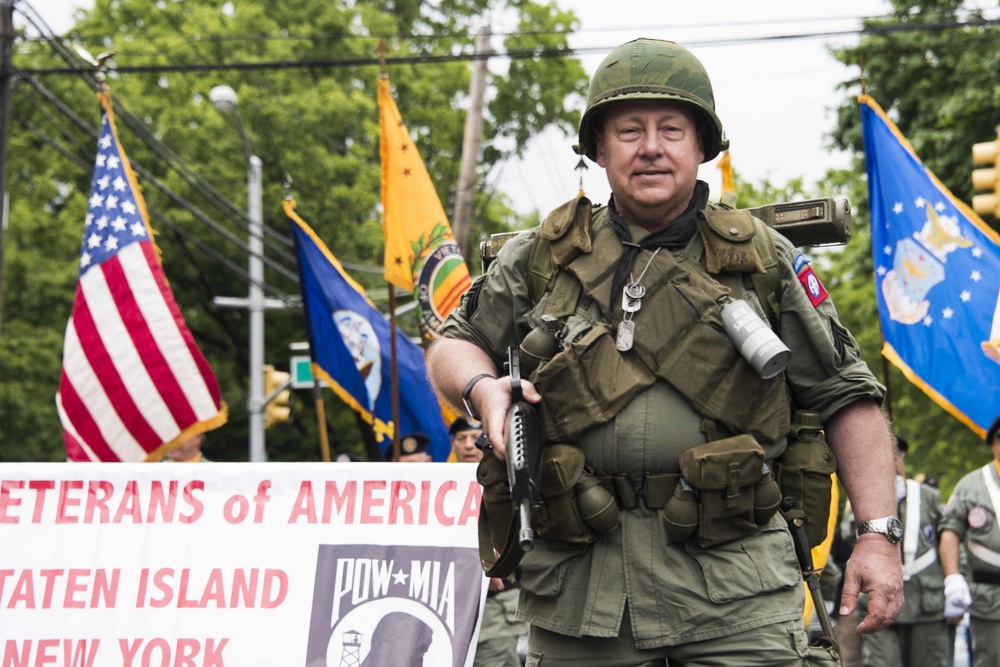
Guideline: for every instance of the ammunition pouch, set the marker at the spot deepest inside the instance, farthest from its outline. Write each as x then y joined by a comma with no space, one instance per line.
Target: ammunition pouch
804,472
734,488
576,509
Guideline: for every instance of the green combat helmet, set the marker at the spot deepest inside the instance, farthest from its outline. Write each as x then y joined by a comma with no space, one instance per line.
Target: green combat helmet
652,69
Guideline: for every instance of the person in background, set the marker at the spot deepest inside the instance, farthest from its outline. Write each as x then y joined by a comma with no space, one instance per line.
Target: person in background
971,518
500,630
919,635
641,383
412,449
189,451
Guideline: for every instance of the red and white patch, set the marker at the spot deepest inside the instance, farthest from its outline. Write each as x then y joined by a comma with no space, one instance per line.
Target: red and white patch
814,288
978,516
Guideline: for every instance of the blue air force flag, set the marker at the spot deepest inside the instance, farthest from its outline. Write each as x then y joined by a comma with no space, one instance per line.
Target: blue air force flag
937,278
351,349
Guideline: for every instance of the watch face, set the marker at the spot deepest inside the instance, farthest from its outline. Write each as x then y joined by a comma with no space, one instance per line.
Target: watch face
895,529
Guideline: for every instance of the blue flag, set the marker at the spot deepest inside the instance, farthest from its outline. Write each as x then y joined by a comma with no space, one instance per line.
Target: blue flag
937,278
351,349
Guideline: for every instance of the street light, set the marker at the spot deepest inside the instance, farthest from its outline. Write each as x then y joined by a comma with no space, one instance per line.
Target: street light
224,99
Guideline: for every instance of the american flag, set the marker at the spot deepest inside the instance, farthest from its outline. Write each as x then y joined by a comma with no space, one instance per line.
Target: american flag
133,381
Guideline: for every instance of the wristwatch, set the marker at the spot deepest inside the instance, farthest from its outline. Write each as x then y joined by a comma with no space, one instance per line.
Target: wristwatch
467,393
889,526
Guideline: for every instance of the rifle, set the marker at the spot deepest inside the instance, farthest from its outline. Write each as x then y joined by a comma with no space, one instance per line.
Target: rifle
809,573
524,452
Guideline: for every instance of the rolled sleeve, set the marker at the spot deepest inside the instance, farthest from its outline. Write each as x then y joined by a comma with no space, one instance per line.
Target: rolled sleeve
826,372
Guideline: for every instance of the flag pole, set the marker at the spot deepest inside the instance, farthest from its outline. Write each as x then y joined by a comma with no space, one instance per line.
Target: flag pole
381,50
324,440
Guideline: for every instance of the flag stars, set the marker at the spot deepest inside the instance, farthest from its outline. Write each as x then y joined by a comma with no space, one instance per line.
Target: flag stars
404,147
939,207
113,162
119,184
887,250
881,271
128,207
105,141
966,296
94,240
406,172
119,224
101,160
111,244
920,203
102,222
897,208
111,202
90,220
977,252
84,260
138,229
976,276
928,320
103,181
96,200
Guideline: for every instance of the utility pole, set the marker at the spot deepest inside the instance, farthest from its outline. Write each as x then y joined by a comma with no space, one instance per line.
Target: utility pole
470,144
6,72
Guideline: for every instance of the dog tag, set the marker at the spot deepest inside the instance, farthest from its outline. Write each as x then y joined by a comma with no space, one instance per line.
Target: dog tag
626,335
632,297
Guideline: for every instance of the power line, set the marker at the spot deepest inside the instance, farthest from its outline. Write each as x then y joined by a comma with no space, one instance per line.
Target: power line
513,54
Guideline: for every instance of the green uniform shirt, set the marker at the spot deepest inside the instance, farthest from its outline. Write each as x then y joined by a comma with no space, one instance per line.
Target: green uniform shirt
972,517
676,593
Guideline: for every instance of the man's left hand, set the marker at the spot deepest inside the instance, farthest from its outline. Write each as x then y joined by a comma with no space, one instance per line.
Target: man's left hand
874,568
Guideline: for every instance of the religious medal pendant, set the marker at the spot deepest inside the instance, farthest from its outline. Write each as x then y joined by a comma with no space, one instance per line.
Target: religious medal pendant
632,297
626,335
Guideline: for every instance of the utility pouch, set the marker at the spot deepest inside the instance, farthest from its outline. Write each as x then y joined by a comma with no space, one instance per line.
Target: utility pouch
804,471
576,509
735,489
497,521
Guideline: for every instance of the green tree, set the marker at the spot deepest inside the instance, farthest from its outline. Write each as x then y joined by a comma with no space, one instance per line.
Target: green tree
317,123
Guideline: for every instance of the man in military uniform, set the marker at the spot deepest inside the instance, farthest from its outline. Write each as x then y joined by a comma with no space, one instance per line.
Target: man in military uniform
971,517
919,635
643,384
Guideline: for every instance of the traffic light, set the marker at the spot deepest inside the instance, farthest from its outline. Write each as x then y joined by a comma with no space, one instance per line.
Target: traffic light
276,397
987,152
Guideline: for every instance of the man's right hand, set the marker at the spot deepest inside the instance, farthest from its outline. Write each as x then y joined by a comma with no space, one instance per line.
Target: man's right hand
492,399
957,596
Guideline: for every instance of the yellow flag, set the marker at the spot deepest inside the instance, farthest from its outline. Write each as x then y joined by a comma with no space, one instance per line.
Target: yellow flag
821,552
420,251
726,167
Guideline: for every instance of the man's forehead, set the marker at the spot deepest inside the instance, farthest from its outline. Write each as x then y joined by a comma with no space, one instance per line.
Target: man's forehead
636,108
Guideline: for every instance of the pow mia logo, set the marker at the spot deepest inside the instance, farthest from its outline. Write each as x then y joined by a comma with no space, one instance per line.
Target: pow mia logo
978,518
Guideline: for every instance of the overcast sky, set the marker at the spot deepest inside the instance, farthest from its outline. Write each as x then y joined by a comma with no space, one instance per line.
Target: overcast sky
775,95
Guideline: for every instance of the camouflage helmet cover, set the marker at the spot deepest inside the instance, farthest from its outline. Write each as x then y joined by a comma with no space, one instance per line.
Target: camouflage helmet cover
652,69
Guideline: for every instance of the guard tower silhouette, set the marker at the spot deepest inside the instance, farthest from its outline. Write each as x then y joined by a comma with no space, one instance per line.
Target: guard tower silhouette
351,655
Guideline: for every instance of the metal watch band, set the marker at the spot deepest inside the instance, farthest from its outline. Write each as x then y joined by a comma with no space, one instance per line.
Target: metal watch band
890,526
467,392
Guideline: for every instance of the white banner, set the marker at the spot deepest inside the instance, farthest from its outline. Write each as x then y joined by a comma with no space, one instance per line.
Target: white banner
242,565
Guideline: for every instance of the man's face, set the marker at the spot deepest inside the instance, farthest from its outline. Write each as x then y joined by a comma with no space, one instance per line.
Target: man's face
188,449
651,152
463,443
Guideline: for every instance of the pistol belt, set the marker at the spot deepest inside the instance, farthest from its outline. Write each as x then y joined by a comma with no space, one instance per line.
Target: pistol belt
653,489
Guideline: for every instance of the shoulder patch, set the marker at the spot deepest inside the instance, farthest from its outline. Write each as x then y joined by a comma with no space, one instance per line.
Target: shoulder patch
799,263
814,288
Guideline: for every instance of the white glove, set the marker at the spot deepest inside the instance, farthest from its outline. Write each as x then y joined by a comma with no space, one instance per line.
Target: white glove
957,596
